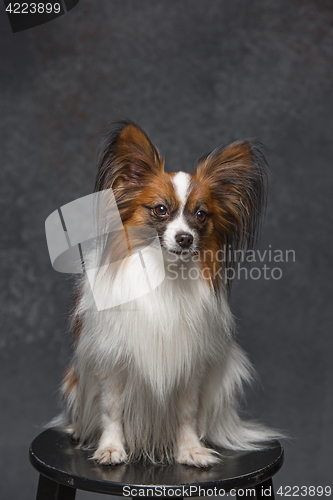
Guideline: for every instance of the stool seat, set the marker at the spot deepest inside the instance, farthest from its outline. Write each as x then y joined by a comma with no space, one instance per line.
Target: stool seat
64,468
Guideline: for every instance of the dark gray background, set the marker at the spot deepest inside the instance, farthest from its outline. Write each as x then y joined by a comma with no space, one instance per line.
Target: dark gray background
194,74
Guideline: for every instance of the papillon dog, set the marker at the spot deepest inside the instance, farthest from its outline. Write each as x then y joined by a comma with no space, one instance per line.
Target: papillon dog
160,375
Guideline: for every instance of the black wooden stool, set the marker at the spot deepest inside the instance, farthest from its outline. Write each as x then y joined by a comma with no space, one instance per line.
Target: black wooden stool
64,469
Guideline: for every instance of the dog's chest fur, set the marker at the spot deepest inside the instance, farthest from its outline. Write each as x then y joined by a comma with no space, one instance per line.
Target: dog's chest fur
165,334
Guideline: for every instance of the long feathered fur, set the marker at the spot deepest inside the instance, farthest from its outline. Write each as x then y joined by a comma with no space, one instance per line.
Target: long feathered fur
174,347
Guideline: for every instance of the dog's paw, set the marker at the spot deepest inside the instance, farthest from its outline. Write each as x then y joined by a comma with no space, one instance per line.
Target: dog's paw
110,455
198,456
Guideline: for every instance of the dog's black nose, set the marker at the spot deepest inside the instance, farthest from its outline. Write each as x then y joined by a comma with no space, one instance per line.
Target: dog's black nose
184,240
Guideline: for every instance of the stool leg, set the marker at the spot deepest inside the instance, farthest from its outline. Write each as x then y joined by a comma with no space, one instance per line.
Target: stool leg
50,490
265,490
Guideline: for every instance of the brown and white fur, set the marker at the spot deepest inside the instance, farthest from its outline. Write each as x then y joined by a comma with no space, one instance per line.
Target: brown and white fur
162,379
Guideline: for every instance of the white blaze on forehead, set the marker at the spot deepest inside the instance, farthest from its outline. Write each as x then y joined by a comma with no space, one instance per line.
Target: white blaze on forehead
181,182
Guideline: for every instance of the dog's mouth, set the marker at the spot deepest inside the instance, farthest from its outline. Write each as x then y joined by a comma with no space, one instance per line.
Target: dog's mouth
179,252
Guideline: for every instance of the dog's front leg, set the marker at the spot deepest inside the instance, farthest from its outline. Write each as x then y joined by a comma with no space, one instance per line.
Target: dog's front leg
190,449
111,447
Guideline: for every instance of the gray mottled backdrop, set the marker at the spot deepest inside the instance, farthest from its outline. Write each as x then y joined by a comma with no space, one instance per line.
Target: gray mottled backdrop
194,74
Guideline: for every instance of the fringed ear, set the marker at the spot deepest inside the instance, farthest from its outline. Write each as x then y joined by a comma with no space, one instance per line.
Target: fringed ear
236,177
128,159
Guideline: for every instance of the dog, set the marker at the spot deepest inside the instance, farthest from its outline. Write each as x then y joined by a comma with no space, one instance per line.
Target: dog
162,377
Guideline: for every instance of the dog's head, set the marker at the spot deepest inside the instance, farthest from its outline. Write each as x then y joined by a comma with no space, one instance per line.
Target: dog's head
217,206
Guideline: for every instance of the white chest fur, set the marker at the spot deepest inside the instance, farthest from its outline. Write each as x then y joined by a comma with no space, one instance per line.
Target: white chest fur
160,336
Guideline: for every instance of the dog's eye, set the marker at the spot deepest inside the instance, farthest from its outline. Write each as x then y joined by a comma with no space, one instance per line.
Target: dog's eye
201,216
161,210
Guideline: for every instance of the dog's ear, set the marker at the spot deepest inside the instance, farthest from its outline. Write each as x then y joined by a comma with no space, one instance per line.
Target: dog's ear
128,159
236,177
